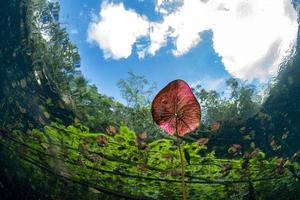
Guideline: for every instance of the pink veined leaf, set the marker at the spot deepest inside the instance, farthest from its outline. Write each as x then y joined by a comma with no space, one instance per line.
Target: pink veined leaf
175,108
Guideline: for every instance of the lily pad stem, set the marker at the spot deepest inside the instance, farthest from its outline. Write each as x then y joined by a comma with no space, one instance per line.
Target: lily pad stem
183,186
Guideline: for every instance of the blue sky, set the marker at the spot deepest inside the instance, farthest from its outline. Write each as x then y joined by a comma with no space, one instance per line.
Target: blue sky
206,55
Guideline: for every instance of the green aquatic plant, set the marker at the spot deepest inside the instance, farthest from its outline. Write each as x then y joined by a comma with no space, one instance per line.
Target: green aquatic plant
117,167
176,110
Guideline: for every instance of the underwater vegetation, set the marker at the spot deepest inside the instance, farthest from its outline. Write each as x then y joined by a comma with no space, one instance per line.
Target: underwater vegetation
61,139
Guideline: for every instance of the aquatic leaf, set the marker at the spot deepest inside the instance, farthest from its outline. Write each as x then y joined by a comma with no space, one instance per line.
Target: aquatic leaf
279,170
87,140
96,157
168,157
46,114
175,172
142,136
243,128
247,137
22,110
101,140
296,155
80,162
143,146
13,84
252,145
285,136
83,149
44,145
215,126
41,120
234,149
23,83
93,190
245,164
281,161
202,141
226,169
111,130
141,166
274,145
176,108
65,174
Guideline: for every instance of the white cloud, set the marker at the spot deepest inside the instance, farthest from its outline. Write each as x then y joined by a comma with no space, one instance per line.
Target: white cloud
252,37
211,84
117,30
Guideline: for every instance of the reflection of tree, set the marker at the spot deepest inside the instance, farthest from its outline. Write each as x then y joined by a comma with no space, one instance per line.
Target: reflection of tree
25,84
282,109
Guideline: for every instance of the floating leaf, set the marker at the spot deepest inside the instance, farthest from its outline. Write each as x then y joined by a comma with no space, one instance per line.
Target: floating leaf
215,126
252,145
87,140
245,164
281,161
175,172
296,155
141,167
285,136
142,136
22,110
44,145
65,174
111,130
46,114
93,190
280,168
96,157
274,145
235,149
82,149
243,128
168,157
202,141
226,169
23,83
143,146
101,140
176,108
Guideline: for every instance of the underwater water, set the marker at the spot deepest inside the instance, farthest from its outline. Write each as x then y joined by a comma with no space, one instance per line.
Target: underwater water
60,138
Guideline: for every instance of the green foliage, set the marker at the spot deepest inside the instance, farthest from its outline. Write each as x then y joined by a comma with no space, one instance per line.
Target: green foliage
118,164
137,91
242,103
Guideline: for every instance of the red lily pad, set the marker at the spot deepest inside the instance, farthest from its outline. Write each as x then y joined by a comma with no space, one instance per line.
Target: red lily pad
175,108
101,140
215,126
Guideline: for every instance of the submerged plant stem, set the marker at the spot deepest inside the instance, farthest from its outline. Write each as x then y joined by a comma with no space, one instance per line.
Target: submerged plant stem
183,186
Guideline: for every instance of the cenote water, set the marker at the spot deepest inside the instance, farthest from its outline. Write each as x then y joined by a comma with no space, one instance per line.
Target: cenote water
184,99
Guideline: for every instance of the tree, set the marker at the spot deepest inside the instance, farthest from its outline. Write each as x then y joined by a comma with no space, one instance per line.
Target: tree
137,91
241,104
